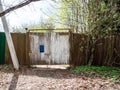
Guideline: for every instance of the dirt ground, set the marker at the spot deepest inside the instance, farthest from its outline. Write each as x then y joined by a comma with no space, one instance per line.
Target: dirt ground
50,78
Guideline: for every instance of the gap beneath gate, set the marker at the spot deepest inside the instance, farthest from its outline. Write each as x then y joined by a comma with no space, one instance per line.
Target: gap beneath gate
51,67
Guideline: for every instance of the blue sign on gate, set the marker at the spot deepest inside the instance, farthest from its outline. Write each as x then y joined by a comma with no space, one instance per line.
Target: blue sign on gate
41,48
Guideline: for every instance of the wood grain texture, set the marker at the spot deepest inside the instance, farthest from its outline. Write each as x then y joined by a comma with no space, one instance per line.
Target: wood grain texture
56,48
19,40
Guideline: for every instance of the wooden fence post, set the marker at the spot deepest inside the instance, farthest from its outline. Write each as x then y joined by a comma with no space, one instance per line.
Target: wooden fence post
70,42
27,48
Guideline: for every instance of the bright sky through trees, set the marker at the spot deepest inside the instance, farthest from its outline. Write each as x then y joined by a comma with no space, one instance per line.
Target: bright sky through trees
30,14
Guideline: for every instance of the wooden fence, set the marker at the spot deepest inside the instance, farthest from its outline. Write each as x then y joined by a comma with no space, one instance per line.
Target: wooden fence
79,53
27,47
19,40
77,50
106,51
55,48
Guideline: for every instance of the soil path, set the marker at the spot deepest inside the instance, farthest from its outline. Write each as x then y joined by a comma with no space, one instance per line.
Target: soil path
50,79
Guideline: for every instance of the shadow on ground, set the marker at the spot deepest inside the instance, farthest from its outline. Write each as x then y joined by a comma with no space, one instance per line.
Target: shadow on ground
49,75
13,83
46,72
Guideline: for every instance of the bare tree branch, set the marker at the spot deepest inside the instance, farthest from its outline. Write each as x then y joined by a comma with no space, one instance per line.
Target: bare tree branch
26,2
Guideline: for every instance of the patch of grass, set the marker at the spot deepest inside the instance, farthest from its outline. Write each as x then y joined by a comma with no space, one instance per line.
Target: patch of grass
112,73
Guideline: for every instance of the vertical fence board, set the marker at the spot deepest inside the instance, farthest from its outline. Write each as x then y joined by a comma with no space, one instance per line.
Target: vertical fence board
78,49
56,48
19,41
78,52
103,55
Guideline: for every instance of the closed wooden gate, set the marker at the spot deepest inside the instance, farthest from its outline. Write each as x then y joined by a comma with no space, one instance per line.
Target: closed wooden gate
2,48
49,48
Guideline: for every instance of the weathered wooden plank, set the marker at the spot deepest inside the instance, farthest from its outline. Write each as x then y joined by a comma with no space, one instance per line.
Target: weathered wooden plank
56,48
19,41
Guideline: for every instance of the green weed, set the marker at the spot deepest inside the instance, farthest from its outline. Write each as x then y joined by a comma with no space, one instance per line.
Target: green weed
113,73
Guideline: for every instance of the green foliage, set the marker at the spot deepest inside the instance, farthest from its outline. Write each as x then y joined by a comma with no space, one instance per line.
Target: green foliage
99,17
65,11
47,24
104,16
96,18
103,21
74,14
112,73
